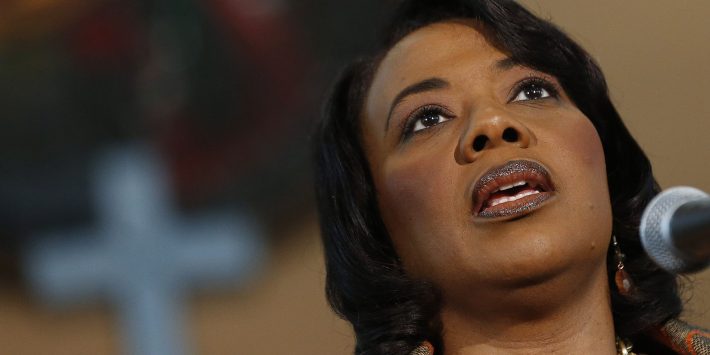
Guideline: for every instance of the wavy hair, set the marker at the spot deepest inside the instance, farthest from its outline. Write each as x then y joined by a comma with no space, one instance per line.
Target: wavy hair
365,282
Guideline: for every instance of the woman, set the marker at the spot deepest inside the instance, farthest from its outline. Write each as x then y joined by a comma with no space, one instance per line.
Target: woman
476,189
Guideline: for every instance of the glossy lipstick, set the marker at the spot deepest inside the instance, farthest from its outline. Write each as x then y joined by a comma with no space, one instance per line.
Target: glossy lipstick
512,190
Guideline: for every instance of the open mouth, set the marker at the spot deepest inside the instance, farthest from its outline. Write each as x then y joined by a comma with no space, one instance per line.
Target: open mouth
514,189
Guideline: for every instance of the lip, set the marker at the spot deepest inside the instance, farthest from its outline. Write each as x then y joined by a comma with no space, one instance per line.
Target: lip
534,174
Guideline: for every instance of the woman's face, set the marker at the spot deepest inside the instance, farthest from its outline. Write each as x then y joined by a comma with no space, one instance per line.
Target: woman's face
487,175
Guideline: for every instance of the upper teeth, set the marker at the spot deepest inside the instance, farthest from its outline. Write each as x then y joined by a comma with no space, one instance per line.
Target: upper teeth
498,201
507,187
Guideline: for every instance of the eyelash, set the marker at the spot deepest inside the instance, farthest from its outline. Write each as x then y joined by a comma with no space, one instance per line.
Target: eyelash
411,121
533,81
420,113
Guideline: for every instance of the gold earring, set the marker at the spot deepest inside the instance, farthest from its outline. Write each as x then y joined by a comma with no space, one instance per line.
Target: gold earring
424,349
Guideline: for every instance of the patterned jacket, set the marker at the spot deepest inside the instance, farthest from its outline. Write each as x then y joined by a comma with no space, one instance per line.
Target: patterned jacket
675,337
682,338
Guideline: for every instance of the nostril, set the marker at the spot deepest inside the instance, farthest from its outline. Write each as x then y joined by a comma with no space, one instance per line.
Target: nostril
479,143
510,135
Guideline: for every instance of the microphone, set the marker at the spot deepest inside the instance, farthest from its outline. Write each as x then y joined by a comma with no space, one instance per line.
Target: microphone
675,229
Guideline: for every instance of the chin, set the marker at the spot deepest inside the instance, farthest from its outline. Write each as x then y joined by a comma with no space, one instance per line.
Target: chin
535,248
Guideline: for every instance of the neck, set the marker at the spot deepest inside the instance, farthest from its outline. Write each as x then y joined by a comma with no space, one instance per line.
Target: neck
539,319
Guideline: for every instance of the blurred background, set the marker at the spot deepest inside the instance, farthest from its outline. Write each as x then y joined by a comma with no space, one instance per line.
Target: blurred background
155,188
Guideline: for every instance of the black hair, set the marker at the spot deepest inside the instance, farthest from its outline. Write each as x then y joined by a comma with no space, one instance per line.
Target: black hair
366,284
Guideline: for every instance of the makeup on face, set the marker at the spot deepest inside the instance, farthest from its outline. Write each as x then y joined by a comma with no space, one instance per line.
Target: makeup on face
481,166
511,190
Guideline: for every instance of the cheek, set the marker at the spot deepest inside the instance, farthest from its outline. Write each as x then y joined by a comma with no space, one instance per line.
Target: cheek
577,149
585,151
415,199
591,148
584,165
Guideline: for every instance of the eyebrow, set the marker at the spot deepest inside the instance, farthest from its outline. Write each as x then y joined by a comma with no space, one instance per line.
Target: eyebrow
505,64
422,86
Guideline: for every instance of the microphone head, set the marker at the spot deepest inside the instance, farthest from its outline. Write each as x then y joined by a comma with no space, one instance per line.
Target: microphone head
655,228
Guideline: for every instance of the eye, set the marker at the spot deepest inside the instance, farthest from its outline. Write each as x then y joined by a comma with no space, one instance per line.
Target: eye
426,117
532,89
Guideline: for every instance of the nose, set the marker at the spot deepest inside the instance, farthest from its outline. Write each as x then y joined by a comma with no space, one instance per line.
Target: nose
492,128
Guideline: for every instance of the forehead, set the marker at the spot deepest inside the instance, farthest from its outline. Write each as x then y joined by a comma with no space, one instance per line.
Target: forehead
448,50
